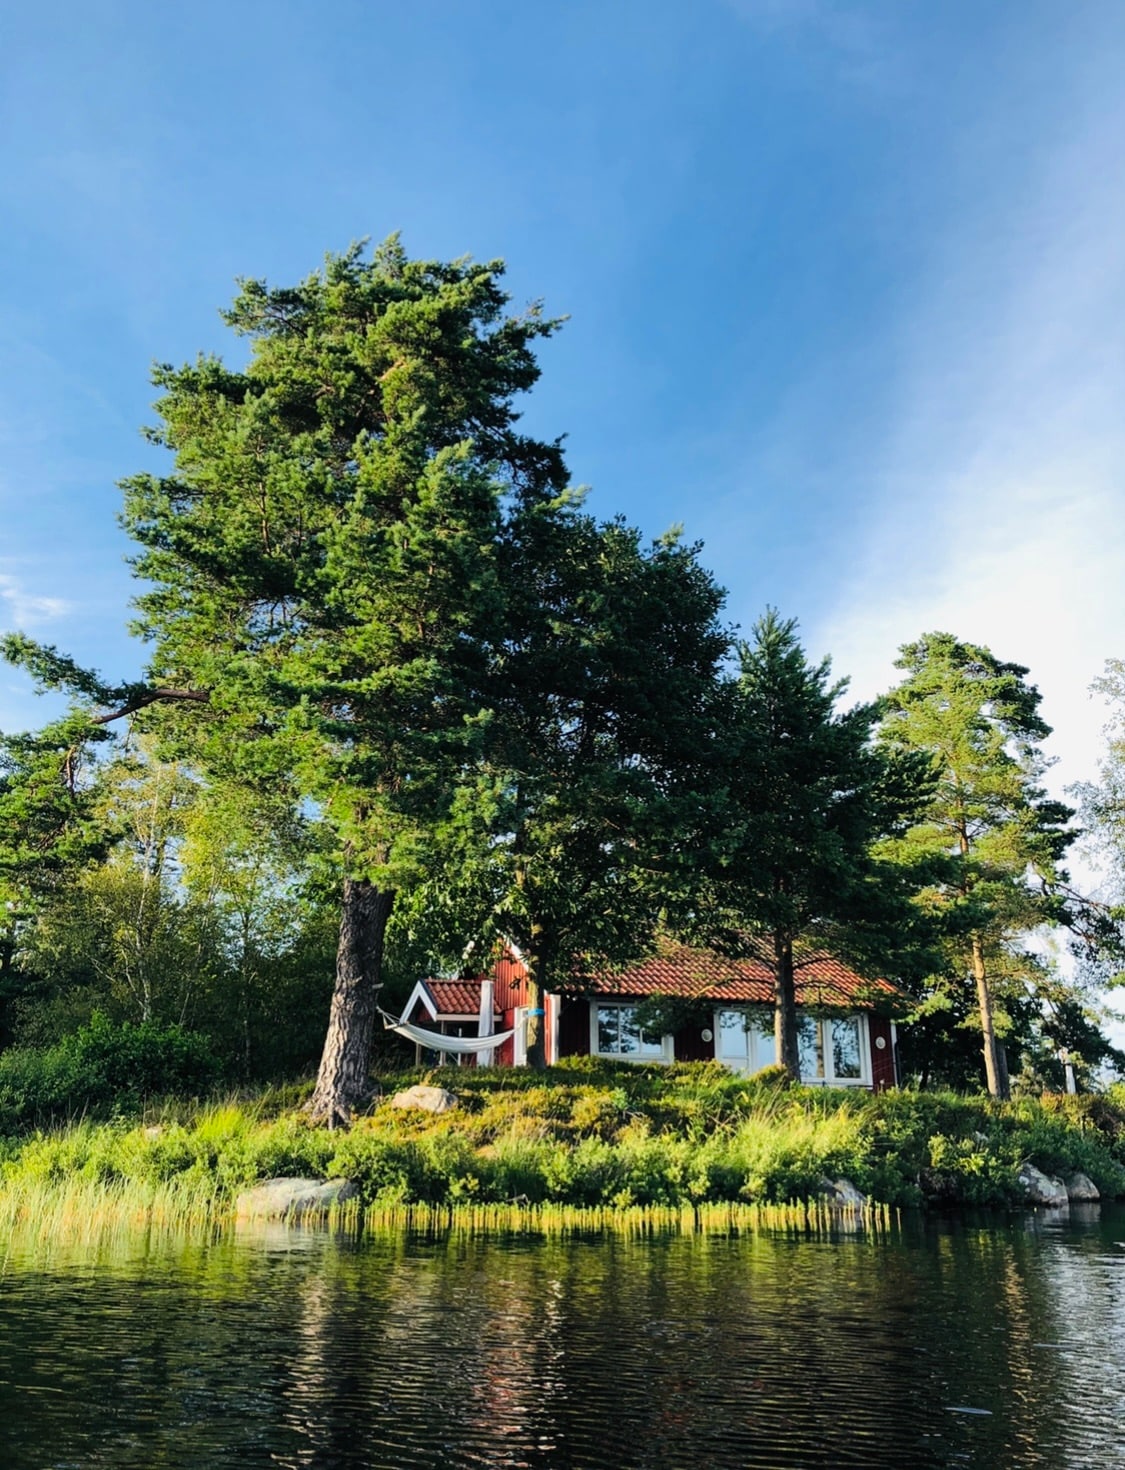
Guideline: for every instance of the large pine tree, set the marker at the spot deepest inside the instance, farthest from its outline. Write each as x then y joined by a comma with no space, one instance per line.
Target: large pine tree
991,836
324,590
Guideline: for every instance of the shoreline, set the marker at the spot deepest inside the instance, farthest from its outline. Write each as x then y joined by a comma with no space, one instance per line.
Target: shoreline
593,1144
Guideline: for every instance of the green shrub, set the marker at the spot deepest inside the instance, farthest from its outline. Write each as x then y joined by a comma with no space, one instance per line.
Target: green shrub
101,1069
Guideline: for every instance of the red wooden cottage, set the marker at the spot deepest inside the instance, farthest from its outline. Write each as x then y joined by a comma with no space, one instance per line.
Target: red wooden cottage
846,1039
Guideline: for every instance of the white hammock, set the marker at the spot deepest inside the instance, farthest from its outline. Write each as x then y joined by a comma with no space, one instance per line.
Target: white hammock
438,1041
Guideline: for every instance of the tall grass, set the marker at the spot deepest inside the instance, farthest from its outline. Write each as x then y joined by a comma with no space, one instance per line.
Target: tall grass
88,1214
583,1144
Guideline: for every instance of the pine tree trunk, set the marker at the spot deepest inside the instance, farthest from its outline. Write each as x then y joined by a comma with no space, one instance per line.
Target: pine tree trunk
785,1008
343,1082
994,1070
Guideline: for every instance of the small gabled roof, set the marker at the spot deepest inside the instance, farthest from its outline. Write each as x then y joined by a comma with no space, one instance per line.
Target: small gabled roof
678,970
442,999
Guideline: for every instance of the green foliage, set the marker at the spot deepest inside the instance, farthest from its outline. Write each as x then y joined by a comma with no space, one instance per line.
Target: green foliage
100,1069
675,1138
323,558
51,830
201,914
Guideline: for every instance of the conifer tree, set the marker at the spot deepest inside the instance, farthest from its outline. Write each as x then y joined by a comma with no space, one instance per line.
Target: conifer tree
991,836
322,573
799,799
586,782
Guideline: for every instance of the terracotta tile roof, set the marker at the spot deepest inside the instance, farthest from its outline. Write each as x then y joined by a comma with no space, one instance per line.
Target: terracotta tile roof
680,971
455,997
677,969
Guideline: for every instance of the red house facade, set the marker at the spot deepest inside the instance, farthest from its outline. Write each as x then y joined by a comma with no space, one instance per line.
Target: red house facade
847,1037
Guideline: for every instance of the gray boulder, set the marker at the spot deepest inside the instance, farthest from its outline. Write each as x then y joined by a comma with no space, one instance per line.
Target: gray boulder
293,1199
1040,1188
426,1099
842,1192
1082,1188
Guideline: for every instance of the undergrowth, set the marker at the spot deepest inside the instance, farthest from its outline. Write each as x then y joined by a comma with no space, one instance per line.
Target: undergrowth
586,1135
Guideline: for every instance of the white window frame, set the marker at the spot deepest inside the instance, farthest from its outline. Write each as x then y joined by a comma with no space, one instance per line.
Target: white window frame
753,1064
667,1042
865,1078
830,1079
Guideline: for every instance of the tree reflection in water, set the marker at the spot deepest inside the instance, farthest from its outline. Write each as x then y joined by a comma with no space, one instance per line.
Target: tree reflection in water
298,1349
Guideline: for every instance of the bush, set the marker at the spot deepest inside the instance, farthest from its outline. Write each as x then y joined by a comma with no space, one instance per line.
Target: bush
101,1069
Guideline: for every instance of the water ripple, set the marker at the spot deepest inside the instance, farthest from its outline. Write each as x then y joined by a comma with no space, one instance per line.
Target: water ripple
946,1345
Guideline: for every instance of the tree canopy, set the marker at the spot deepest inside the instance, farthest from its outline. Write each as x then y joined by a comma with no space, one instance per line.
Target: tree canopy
800,796
991,836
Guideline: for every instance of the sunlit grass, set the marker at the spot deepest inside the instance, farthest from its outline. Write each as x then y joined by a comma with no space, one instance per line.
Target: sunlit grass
593,1147
84,1213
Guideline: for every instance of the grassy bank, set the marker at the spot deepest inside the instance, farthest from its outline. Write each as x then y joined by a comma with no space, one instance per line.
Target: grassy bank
590,1137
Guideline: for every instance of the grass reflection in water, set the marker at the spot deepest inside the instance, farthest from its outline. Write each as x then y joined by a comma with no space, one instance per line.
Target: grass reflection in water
451,1347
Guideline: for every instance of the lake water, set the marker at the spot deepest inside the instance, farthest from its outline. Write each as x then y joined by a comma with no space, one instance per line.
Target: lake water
947,1343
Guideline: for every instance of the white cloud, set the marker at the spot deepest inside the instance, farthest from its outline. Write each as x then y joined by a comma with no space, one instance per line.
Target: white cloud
1001,474
22,609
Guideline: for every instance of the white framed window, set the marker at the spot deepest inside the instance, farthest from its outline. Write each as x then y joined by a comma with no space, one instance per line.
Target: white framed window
614,1032
744,1040
834,1050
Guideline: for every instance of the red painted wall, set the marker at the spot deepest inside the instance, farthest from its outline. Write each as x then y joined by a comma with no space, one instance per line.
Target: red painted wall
882,1057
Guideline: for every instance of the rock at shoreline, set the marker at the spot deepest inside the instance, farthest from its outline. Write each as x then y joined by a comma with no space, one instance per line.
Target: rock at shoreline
1080,1187
293,1199
842,1192
427,1099
1042,1189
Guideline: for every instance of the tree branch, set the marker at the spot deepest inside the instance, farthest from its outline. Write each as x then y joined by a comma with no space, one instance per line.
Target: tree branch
141,698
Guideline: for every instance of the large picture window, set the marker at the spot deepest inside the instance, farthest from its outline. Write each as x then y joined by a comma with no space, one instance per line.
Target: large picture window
832,1049
617,1034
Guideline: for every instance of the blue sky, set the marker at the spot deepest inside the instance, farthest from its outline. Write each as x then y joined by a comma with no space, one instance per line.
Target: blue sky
845,281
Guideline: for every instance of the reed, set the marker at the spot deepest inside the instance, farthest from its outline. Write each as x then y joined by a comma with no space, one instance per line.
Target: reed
86,1213
799,1217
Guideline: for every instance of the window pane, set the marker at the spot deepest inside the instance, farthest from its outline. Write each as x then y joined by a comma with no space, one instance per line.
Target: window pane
630,1042
810,1048
733,1037
846,1054
634,1041
607,1028
765,1049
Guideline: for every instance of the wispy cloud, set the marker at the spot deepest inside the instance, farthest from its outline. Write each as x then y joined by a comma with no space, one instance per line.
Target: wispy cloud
1000,476
858,41
20,608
